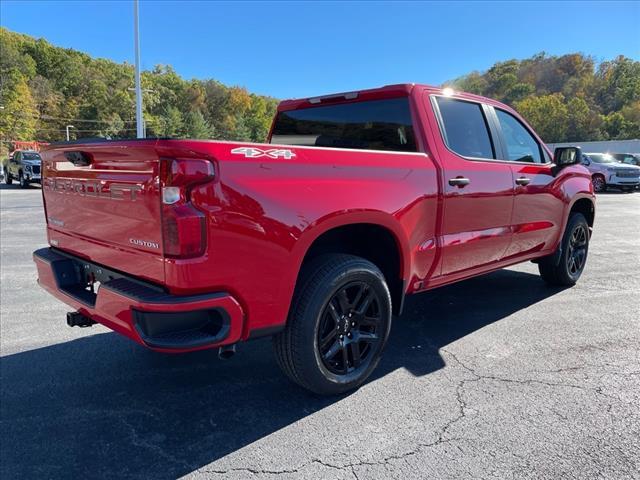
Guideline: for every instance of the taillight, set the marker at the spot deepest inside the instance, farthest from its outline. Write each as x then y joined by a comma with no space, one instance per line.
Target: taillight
183,231
183,226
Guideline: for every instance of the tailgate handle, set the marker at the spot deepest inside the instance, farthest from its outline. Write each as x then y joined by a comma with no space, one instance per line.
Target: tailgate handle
79,159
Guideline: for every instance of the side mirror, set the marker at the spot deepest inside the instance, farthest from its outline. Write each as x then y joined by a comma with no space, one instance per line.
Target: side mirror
564,156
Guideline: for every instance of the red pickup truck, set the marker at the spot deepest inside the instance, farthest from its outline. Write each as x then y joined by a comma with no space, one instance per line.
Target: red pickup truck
315,237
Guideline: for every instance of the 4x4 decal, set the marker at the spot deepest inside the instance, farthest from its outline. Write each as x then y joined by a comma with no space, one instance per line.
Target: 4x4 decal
252,152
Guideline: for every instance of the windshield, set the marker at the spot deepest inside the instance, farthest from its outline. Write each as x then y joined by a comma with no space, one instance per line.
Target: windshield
601,158
30,156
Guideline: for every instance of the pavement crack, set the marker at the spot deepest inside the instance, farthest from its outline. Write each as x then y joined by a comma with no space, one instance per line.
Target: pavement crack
141,442
477,377
251,471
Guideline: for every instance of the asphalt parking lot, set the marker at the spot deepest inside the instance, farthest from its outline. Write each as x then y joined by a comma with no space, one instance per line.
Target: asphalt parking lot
496,377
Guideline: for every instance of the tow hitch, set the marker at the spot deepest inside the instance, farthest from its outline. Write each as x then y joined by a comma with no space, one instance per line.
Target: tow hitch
76,319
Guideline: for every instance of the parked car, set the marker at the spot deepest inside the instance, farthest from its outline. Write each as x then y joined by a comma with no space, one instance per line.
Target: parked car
607,172
628,158
23,166
315,238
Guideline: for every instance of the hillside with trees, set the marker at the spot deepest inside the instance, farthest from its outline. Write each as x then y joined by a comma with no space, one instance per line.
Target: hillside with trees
566,98
43,88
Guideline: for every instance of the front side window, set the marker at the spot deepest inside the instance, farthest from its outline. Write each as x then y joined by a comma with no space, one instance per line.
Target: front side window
465,128
369,125
520,144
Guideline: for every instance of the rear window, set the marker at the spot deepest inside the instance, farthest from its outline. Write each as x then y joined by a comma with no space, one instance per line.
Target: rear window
465,128
368,125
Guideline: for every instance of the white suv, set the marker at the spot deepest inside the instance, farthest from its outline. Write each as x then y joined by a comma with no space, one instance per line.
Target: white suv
606,171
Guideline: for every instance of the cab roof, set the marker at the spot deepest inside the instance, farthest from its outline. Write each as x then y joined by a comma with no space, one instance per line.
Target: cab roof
387,91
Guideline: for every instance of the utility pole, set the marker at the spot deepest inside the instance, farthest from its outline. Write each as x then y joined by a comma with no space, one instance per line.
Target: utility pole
139,119
68,127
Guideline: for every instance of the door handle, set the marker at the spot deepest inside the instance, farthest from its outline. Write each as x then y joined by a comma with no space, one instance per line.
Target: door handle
460,182
523,181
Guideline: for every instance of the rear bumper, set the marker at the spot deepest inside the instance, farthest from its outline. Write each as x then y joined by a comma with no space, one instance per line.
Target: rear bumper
139,310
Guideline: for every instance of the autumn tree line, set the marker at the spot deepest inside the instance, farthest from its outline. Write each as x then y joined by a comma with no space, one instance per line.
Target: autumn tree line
44,88
566,98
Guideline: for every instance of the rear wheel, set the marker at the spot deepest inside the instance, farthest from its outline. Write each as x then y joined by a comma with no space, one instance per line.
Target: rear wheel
7,178
599,183
338,325
566,268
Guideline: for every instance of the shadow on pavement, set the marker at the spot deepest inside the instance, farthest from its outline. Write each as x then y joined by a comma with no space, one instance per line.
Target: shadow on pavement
16,186
101,406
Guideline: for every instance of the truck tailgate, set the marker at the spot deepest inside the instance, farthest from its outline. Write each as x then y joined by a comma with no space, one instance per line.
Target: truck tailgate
102,203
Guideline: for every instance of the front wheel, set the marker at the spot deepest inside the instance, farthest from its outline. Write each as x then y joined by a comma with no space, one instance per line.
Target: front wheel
338,325
565,267
599,183
23,181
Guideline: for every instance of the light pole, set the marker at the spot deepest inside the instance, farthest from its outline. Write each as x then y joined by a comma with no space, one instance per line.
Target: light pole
139,119
68,127
144,124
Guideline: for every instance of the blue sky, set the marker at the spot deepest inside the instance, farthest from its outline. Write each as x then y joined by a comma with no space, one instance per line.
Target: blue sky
298,49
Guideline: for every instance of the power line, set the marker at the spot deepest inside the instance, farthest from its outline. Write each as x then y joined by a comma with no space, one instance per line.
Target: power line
49,117
77,130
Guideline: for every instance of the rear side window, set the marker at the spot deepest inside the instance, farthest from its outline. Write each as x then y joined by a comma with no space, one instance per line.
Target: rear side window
520,144
368,125
465,128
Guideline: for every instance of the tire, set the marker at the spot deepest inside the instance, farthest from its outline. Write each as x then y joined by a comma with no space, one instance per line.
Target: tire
566,270
7,178
338,324
599,183
23,181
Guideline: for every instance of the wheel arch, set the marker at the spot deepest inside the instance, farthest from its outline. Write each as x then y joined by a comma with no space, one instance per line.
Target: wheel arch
586,206
583,203
377,238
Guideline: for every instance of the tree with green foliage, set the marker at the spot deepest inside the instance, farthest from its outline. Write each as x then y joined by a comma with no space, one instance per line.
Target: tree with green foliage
18,117
547,114
581,121
196,126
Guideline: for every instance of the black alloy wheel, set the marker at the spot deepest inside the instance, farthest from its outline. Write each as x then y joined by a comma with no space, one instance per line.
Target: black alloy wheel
564,267
349,329
338,324
577,250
